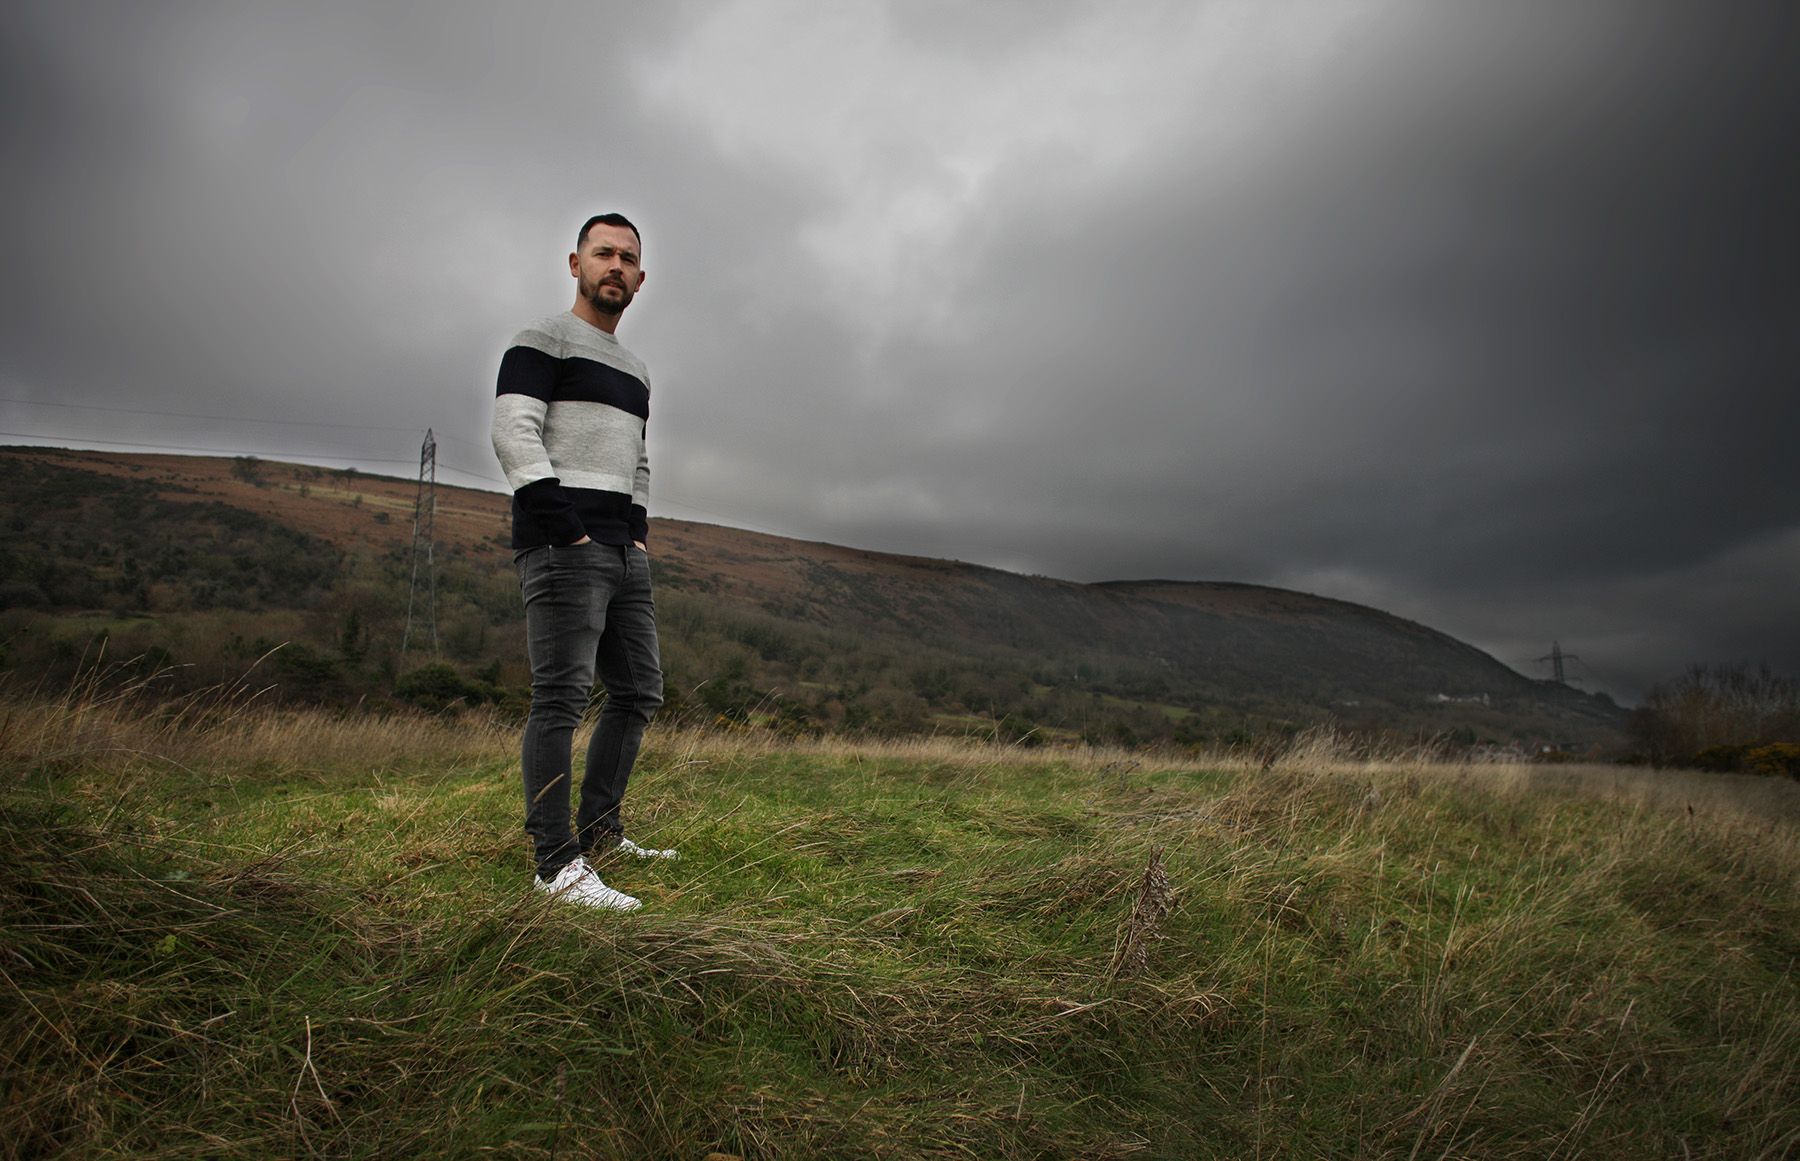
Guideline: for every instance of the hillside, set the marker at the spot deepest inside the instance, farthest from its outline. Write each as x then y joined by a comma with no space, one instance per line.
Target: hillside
197,553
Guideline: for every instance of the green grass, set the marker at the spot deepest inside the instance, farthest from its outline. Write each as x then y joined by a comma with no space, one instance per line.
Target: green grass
280,935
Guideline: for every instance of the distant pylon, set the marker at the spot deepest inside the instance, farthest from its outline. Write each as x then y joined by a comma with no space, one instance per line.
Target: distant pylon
424,547
1556,657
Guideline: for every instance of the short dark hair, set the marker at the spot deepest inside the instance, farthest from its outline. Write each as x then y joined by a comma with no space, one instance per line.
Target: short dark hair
606,220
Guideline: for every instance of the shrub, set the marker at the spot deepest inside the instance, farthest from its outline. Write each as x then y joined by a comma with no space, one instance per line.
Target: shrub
1775,760
22,594
307,674
1720,759
248,469
438,687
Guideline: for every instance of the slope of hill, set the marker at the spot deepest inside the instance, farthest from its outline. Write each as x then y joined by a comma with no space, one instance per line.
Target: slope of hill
807,635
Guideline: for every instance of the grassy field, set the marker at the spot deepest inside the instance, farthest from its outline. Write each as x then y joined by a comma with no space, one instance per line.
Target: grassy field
227,932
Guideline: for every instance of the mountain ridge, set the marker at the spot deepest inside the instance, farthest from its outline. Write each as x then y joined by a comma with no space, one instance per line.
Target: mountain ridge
917,642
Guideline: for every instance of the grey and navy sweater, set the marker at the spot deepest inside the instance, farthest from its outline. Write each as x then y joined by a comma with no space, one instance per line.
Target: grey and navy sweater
569,417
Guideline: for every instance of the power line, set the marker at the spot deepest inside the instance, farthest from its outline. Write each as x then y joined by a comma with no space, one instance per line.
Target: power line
480,447
662,499
477,475
230,451
241,419
221,418
152,446
240,451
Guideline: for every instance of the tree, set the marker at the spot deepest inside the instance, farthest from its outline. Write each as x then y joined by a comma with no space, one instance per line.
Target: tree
248,469
1710,709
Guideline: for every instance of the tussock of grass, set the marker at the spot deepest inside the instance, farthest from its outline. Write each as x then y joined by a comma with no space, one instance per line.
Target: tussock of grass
254,933
114,717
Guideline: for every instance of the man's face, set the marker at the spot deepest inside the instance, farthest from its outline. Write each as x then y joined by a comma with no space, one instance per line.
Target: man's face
607,268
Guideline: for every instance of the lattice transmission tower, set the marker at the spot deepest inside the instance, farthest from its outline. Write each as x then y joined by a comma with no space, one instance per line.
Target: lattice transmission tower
424,550
1556,657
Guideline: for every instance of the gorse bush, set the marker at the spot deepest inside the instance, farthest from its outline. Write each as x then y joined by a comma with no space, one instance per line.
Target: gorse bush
1782,758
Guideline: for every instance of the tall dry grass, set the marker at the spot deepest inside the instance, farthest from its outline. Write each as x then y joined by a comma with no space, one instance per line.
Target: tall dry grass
119,713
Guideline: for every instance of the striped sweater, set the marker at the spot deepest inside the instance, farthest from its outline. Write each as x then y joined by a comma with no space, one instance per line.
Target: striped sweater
569,417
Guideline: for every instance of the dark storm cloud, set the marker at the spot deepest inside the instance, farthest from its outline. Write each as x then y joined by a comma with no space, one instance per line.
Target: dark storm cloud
1530,330
1483,315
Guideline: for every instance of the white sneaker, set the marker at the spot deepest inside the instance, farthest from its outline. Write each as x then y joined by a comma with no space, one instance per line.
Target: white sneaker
577,883
627,847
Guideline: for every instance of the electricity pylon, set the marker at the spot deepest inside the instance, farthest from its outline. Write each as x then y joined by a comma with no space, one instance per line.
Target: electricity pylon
1556,657
424,549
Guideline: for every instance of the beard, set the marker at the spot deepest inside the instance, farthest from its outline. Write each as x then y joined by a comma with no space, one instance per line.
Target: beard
614,305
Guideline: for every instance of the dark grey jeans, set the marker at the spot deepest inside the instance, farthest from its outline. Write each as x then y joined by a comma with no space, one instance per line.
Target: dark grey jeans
588,607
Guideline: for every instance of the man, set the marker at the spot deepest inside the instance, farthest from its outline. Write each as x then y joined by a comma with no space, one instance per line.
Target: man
569,418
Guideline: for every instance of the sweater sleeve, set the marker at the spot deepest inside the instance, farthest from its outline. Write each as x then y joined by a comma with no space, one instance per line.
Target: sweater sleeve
640,497
521,401
639,519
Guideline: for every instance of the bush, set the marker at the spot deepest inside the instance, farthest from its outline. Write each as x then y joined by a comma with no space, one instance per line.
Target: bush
1775,760
21,594
438,687
307,674
1720,759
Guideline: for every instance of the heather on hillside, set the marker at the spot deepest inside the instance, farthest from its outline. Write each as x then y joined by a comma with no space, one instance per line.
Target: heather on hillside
210,567
78,540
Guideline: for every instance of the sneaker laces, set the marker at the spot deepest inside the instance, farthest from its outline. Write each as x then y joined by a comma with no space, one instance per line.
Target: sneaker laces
627,847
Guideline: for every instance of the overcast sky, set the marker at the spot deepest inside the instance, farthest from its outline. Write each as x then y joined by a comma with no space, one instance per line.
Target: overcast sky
1485,314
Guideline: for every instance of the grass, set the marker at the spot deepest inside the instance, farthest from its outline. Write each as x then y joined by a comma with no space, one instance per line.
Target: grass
235,932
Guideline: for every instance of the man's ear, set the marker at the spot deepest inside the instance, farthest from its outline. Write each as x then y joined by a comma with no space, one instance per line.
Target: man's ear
574,265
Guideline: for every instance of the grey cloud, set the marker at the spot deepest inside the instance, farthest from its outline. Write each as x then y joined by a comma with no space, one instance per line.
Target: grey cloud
272,208
1476,360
